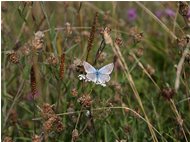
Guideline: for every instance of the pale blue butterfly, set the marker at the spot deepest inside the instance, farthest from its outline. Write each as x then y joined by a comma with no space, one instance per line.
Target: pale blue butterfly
98,76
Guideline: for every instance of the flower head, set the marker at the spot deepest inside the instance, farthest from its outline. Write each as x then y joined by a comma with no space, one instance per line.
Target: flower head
159,13
169,12
30,96
131,14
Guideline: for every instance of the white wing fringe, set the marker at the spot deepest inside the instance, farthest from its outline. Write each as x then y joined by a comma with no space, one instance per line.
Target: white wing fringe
83,77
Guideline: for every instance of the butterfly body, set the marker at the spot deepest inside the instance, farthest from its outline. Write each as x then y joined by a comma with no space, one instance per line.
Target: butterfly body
98,76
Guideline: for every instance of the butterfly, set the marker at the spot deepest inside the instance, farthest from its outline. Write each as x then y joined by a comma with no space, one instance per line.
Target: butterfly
98,76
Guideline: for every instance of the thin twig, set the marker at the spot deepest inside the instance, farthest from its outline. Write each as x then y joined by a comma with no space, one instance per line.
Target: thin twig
13,104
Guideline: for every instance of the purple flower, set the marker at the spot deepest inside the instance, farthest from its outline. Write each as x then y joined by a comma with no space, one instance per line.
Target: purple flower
159,13
29,97
131,14
169,12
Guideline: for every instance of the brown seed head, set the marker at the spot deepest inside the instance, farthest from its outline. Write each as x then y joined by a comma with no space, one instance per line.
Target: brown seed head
168,93
74,92
68,29
59,127
182,42
102,57
13,57
7,139
13,116
85,100
75,135
47,111
183,8
52,60
38,41
118,41
150,69
140,52
36,138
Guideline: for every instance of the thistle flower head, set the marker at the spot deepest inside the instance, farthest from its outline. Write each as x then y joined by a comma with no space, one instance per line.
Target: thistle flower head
131,14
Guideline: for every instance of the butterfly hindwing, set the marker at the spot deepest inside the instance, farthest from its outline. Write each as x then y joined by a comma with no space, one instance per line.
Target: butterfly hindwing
103,78
91,77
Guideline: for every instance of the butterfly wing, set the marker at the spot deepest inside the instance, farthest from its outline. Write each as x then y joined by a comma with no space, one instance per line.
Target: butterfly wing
91,72
104,72
88,68
91,77
103,78
106,69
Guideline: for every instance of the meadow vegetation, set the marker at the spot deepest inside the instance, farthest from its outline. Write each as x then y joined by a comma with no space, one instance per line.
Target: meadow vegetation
43,46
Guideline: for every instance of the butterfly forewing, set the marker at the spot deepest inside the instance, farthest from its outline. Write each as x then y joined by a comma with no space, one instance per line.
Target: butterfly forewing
106,69
88,68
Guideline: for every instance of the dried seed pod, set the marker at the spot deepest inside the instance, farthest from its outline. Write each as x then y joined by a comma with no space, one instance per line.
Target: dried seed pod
150,69
182,42
183,8
102,57
13,57
38,41
52,60
106,35
74,92
85,100
136,35
77,66
118,41
140,52
127,129
7,139
36,138
59,127
47,111
26,49
48,125
168,93
68,29
75,135
13,116
187,58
